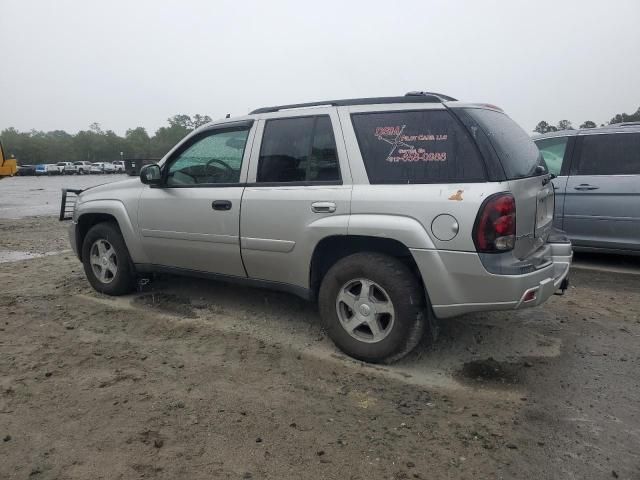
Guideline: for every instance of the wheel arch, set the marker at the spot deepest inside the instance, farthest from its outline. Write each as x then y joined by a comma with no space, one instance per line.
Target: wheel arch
88,220
335,247
93,212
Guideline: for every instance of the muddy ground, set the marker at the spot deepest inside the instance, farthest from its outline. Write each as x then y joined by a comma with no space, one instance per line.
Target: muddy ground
195,379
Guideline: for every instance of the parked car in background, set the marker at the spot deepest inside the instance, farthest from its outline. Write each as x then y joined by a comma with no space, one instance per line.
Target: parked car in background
68,168
118,166
385,210
26,170
97,167
102,167
48,169
598,185
83,167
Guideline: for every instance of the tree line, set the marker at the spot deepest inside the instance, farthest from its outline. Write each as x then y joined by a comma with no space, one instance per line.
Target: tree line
545,127
95,144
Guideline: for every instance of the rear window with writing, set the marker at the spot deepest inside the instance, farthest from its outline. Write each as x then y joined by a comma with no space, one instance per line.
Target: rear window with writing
426,146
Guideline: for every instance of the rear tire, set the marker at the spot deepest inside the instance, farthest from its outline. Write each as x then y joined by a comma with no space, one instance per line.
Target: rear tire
373,307
106,260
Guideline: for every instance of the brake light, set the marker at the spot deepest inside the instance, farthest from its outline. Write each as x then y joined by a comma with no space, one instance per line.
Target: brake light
495,228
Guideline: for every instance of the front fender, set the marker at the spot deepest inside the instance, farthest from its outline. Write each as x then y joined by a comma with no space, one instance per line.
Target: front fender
117,210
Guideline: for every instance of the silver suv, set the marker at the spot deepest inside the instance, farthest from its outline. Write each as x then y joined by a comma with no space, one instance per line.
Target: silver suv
385,211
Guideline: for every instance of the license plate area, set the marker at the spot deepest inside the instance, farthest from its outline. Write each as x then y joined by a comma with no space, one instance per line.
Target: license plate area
545,204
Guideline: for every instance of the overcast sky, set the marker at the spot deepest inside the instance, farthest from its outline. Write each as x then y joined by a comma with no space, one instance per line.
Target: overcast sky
66,64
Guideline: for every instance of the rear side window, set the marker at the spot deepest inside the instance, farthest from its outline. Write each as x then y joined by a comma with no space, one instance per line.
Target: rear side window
425,146
518,154
301,149
553,150
610,154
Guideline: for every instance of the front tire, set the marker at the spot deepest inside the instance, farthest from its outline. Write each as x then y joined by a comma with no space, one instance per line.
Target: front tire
106,260
373,307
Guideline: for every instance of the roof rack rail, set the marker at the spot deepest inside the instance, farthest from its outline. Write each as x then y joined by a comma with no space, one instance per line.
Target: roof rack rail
624,124
423,97
443,98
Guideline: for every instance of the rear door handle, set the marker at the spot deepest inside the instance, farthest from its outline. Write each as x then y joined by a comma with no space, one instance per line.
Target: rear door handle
221,205
585,186
323,207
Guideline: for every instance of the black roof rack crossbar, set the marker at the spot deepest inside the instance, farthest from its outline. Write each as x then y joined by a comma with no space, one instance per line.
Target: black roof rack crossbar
423,97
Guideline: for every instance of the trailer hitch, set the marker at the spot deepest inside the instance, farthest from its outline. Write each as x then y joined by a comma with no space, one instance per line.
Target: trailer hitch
563,287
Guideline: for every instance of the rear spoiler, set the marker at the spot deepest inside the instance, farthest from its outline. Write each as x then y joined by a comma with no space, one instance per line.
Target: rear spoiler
68,203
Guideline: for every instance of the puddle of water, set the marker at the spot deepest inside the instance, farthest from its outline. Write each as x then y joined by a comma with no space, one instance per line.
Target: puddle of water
490,370
9,256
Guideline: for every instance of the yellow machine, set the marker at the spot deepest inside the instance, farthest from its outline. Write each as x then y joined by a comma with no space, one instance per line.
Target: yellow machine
8,166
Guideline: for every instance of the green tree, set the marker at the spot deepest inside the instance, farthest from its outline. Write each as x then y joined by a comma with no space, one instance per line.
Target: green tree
625,117
199,120
96,144
544,127
182,121
588,124
137,143
541,127
180,126
565,125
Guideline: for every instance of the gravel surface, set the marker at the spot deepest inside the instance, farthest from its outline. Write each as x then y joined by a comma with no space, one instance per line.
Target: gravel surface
197,379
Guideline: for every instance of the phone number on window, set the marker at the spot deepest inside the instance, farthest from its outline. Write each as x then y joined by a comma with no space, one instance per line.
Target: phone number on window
417,156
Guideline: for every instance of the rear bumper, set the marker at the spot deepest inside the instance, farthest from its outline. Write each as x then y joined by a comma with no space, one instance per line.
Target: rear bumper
458,283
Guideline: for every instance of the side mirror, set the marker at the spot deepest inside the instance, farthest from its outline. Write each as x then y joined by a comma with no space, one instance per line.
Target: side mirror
150,174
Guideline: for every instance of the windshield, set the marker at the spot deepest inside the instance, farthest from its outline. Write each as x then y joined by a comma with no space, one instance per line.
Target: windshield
518,154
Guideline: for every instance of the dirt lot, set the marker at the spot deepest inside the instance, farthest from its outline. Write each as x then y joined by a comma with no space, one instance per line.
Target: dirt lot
194,379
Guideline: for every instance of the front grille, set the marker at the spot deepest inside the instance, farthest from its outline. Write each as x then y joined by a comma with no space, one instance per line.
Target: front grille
68,204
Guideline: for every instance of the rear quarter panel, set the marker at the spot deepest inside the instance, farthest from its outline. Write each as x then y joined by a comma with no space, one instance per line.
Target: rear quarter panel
420,205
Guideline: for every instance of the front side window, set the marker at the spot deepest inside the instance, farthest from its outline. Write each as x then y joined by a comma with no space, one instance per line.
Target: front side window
213,157
553,150
425,146
301,149
610,154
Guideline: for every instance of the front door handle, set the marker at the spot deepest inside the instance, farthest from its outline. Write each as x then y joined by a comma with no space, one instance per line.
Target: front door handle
221,205
323,207
585,186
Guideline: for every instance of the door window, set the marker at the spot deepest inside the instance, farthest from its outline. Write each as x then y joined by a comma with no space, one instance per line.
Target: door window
552,150
610,154
416,147
213,157
301,149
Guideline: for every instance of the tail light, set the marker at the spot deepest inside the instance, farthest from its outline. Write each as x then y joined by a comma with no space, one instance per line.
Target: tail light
495,227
